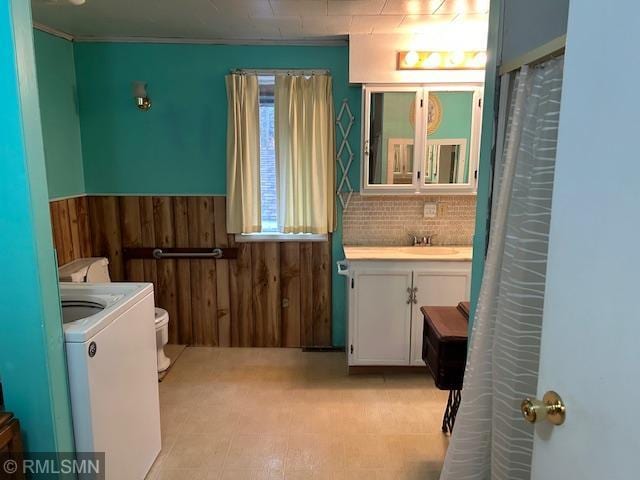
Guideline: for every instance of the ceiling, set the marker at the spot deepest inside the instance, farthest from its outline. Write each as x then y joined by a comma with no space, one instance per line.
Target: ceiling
238,20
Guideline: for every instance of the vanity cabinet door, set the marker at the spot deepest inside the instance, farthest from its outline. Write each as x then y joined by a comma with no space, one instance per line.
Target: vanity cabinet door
436,288
380,317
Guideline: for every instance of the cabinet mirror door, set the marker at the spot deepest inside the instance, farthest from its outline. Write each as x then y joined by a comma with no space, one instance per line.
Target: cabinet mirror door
447,161
449,131
389,145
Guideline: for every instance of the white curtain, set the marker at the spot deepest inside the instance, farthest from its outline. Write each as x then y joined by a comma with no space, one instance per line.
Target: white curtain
305,153
243,154
490,439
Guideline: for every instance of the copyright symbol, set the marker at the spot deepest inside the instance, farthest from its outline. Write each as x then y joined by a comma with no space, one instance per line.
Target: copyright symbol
10,466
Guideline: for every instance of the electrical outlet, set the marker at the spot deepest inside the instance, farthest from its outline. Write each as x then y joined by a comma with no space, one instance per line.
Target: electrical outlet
430,209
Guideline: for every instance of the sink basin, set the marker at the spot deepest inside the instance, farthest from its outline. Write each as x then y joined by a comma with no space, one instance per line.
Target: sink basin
445,253
428,250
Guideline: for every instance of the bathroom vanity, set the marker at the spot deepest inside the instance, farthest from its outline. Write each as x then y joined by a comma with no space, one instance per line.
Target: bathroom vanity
386,286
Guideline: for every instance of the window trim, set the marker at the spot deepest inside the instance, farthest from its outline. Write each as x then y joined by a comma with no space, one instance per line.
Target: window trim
280,237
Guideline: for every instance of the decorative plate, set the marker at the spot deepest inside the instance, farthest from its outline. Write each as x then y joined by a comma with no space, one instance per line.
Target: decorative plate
434,114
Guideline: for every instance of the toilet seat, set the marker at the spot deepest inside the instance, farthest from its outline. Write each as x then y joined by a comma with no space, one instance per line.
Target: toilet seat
162,317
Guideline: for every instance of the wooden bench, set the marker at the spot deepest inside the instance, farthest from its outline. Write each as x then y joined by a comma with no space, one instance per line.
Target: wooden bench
444,351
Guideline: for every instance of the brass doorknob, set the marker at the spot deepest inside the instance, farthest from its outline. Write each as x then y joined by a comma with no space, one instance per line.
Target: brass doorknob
551,408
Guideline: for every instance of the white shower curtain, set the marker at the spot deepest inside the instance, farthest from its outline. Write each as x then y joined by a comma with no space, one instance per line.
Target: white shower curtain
490,439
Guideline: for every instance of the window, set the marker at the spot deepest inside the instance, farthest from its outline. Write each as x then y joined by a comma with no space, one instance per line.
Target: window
268,188
268,173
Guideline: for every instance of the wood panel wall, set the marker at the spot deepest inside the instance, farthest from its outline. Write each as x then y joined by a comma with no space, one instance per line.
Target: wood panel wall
71,229
275,294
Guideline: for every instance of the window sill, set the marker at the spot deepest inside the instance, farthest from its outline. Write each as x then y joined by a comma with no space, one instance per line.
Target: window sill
281,237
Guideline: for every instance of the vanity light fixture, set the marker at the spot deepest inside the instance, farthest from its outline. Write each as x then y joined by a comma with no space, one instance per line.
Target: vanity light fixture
433,60
454,60
480,60
143,102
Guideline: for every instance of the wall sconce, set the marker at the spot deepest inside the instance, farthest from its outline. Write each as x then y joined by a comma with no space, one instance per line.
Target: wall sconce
143,102
454,60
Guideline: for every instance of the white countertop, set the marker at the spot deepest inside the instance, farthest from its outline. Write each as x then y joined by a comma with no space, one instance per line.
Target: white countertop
445,253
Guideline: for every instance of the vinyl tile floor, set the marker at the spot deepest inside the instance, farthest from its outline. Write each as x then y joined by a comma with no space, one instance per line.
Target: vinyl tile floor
236,413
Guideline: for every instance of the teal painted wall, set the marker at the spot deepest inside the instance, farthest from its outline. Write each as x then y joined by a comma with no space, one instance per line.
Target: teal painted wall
179,146
59,114
32,361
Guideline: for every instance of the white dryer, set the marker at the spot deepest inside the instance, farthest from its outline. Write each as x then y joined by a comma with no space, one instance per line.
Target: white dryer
110,342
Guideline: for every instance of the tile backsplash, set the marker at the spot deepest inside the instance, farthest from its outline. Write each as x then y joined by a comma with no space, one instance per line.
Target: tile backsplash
389,220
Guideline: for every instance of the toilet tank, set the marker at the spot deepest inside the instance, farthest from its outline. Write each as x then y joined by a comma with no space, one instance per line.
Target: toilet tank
89,270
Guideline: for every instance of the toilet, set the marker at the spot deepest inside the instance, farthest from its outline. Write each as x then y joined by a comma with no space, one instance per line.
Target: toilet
96,270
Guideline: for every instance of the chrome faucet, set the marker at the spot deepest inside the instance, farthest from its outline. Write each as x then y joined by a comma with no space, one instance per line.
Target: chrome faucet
424,241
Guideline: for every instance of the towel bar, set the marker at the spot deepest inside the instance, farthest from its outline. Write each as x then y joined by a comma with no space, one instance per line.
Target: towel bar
157,253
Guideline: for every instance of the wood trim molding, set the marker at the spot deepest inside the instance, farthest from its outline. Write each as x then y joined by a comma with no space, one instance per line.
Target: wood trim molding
53,31
543,52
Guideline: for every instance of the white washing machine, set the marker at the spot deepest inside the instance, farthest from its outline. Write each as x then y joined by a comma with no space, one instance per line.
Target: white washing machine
110,342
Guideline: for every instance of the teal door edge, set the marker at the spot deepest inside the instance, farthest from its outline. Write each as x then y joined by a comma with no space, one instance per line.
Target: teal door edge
32,359
485,170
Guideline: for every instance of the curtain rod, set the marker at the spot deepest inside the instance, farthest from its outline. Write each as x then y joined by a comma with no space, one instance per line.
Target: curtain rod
272,71
538,55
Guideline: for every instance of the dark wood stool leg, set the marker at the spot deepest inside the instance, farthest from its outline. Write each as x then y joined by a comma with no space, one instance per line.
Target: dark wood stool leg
453,403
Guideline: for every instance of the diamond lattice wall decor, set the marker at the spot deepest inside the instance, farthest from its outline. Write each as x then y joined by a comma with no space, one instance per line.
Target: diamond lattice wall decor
345,121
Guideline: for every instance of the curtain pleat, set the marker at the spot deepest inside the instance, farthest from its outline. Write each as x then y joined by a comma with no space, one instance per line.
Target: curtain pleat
490,439
305,153
243,154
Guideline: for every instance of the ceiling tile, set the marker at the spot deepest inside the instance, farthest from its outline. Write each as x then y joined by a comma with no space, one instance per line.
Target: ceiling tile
355,7
472,18
375,23
254,8
254,19
289,8
464,6
326,25
419,23
411,7
291,25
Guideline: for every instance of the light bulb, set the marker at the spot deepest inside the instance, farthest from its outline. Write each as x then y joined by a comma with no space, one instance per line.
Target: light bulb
433,60
76,2
456,58
411,58
480,59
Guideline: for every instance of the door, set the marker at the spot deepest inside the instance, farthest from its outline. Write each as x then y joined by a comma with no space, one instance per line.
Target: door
590,350
436,288
381,318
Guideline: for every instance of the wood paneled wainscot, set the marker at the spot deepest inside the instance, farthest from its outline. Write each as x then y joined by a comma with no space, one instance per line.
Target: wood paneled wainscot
275,294
387,286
